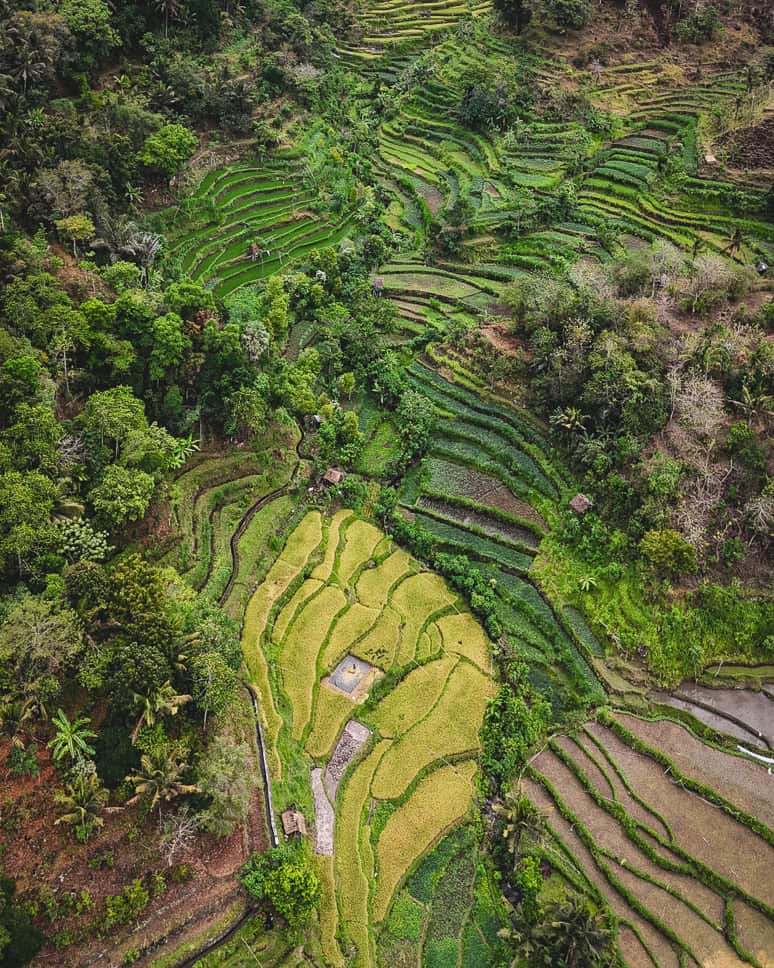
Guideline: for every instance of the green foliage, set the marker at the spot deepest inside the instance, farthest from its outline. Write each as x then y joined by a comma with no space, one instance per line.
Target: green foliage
71,737
406,918
168,149
514,721
669,553
123,908
223,778
122,496
286,878
699,26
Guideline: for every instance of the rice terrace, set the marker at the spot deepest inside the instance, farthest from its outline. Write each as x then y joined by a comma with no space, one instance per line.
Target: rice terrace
387,484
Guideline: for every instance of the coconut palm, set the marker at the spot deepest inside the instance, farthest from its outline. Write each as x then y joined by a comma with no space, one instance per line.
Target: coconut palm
164,701
570,934
159,778
70,739
82,800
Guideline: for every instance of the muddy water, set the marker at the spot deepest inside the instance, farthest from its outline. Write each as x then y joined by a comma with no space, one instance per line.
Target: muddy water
745,714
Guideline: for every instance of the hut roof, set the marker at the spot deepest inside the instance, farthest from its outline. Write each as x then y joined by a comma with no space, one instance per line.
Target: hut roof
580,503
293,822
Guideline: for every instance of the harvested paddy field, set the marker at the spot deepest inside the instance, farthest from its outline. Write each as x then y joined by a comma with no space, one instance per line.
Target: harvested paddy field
670,834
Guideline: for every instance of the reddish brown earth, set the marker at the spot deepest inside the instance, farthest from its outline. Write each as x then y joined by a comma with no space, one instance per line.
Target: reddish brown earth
44,857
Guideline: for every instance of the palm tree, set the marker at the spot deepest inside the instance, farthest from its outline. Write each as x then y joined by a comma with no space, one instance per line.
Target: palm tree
159,778
170,8
570,934
71,738
519,817
163,702
82,800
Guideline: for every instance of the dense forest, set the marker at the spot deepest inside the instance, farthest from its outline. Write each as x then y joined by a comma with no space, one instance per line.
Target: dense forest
386,494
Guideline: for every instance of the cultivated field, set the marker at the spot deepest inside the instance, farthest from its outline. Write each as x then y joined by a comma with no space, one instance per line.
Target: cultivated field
413,781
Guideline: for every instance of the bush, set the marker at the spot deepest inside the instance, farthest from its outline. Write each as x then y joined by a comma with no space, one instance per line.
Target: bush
669,553
285,877
569,14
699,26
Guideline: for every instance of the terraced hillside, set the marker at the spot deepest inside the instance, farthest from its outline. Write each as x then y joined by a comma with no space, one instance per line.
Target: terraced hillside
341,591
670,834
480,492
208,502
386,24
245,222
432,163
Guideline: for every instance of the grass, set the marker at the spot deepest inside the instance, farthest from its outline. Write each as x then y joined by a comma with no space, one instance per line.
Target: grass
303,541
417,598
439,801
329,914
350,626
413,697
380,644
449,728
289,609
361,538
331,711
324,570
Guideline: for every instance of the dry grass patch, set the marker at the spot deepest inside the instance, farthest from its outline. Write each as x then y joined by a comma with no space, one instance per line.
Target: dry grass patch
324,570
463,635
298,659
353,859
304,540
331,711
439,801
360,540
380,644
414,697
349,627
450,727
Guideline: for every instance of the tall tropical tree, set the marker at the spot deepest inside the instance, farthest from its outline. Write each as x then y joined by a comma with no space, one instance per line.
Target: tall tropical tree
163,702
159,779
71,738
569,934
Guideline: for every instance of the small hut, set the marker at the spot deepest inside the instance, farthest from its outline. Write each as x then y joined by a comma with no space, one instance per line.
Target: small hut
580,504
332,477
377,286
293,823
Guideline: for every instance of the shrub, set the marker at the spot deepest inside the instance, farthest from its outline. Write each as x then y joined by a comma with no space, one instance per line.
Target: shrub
513,722
285,877
669,553
698,27
569,14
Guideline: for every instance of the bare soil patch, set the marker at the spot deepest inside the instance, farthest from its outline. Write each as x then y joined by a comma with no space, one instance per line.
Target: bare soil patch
739,780
700,828
658,944
46,861
623,796
497,334
756,933
609,835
